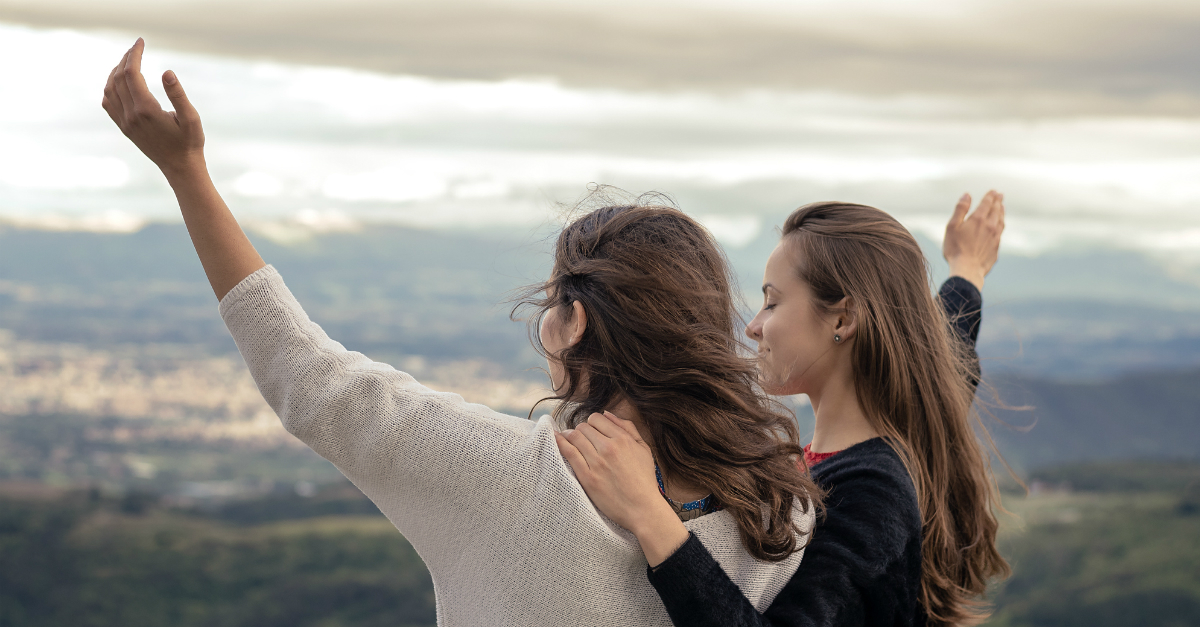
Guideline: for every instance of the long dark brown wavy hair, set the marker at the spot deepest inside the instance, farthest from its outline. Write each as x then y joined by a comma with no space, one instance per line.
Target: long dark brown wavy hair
913,379
661,334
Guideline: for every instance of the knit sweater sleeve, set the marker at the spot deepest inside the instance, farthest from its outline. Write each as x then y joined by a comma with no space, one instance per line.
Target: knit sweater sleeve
433,463
963,305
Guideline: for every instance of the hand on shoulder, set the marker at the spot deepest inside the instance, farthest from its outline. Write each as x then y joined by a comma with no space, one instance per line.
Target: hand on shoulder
615,467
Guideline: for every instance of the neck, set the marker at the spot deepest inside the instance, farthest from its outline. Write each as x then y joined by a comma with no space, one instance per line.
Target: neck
678,488
841,421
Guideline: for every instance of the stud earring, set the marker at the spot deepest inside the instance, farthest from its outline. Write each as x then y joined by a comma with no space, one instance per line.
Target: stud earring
837,338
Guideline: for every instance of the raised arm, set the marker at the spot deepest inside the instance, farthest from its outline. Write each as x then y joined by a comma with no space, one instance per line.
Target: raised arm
439,468
971,247
174,141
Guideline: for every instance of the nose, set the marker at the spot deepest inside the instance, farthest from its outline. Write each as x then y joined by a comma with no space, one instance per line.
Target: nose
754,329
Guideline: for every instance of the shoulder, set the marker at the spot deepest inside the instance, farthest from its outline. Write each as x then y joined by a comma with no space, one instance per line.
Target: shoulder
863,564
873,460
869,495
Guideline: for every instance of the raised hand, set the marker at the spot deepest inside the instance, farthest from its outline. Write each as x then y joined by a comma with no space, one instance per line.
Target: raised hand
173,140
973,243
616,469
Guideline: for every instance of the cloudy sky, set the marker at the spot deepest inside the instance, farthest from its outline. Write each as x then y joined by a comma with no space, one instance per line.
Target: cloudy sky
484,114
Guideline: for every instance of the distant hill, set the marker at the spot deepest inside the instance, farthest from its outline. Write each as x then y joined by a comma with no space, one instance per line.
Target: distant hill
1147,416
392,291
386,291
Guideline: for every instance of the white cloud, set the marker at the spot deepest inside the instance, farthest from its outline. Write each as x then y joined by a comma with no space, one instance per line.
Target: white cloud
258,184
110,221
392,184
445,153
32,168
734,231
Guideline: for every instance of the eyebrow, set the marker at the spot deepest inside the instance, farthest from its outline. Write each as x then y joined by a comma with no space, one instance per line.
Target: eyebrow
766,285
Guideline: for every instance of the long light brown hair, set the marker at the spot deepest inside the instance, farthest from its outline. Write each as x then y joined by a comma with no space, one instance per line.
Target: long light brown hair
914,381
662,334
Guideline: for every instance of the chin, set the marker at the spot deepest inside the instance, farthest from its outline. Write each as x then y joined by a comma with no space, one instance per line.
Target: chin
775,387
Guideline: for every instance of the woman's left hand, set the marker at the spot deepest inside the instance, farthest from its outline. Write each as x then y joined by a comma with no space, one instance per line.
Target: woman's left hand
616,469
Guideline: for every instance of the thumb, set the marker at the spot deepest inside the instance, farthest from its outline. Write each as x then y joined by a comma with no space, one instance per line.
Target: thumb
184,111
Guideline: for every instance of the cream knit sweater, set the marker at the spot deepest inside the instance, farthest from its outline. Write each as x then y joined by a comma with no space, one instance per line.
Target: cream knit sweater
486,499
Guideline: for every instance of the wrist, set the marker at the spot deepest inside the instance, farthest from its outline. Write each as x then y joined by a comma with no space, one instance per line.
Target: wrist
184,168
970,271
660,534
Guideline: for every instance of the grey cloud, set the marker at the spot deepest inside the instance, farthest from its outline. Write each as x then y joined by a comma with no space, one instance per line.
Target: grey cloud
1024,57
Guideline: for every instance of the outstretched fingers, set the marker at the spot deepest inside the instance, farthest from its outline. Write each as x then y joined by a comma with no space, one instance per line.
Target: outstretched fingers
144,102
961,209
997,217
185,114
122,84
120,98
986,205
112,101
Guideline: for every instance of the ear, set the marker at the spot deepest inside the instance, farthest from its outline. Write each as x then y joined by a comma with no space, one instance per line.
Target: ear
574,329
846,321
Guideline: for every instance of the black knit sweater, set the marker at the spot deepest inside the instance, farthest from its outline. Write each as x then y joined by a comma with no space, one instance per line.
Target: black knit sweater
863,565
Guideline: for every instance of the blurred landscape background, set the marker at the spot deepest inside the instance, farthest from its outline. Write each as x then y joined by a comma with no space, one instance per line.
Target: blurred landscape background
405,165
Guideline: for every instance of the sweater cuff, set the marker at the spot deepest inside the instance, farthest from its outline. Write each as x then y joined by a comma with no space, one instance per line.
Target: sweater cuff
963,289
264,273
690,561
964,307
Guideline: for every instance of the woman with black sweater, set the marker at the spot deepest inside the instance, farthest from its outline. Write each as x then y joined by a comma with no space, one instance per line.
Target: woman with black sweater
908,535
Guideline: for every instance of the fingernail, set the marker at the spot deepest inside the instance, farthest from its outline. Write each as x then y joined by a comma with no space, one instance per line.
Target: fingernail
964,197
169,78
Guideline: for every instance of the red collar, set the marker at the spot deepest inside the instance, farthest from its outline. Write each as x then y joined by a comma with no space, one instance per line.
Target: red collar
812,459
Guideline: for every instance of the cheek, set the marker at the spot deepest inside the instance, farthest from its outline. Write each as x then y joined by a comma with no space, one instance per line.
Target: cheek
547,337
776,336
789,354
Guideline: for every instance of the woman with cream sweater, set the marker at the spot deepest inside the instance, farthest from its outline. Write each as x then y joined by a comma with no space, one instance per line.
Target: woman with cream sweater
637,317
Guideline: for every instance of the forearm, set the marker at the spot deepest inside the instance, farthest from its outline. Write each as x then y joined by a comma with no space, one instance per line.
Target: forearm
963,305
697,592
224,250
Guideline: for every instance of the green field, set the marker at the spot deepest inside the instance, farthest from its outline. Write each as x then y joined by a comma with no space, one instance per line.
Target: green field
77,558
1122,553
1101,559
